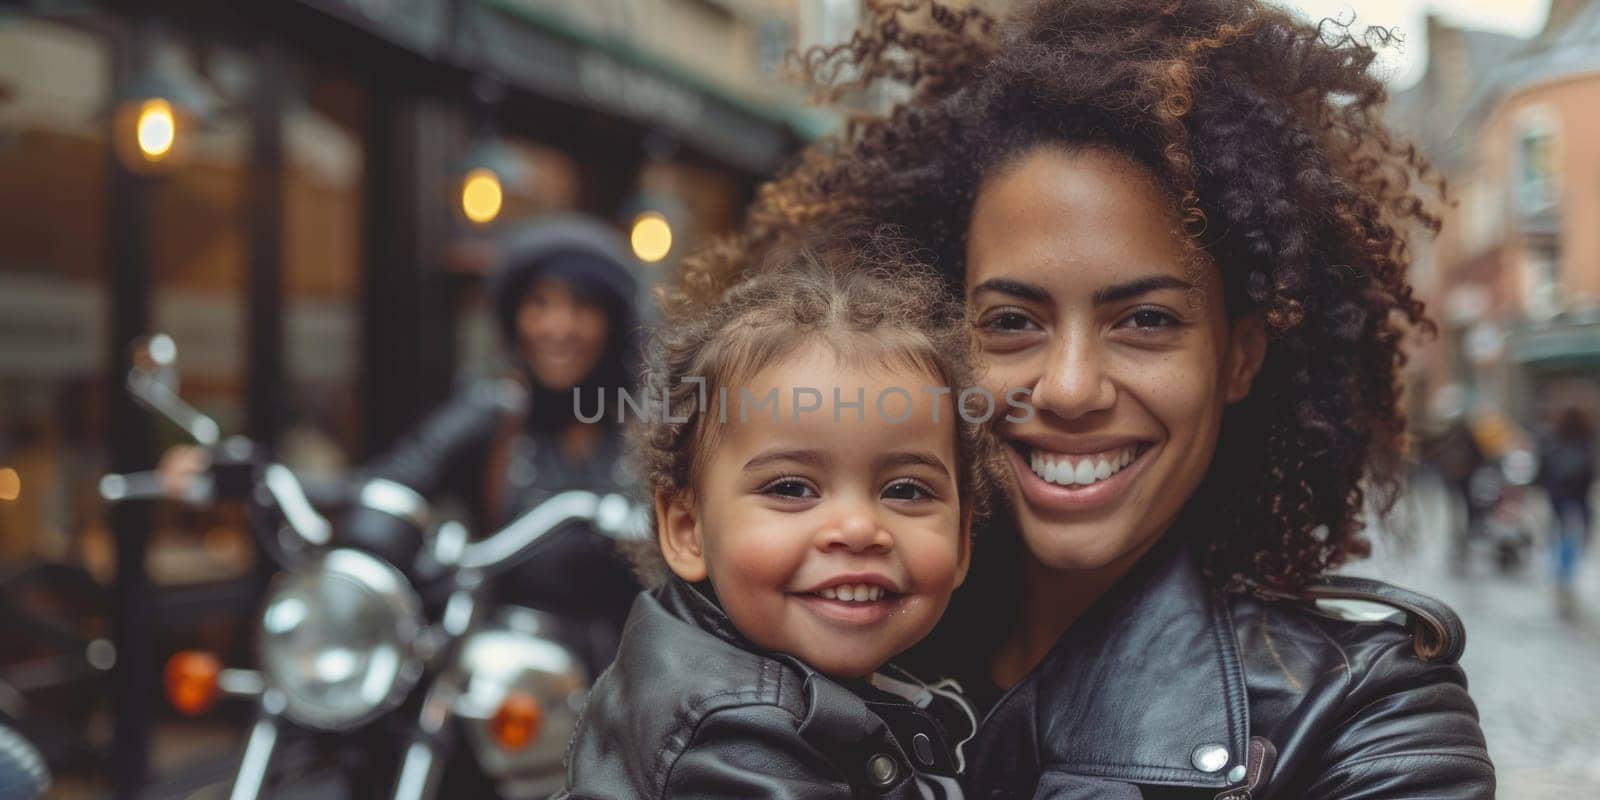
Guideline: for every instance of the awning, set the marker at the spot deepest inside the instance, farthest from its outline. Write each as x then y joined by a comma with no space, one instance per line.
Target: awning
542,53
1563,343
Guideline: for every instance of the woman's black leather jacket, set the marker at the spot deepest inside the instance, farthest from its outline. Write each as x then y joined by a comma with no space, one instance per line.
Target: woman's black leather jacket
1177,691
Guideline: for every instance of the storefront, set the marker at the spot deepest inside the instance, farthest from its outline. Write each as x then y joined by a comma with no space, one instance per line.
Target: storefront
299,236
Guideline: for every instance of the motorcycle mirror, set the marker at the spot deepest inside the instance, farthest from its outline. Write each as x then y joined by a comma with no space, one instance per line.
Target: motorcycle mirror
153,380
156,356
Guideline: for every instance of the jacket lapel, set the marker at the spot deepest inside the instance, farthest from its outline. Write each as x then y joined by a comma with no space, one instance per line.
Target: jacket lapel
1147,687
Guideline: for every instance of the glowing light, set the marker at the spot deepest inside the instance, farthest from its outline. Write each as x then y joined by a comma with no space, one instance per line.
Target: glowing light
10,484
157,129
481,196
651,237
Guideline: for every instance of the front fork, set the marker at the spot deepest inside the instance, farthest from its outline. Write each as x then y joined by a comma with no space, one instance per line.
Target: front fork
431,743
258,750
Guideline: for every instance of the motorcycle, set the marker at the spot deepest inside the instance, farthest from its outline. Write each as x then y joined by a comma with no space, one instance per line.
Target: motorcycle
23,772
348,643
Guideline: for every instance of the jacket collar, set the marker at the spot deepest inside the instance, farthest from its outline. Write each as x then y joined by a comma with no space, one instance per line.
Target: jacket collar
1147,687
698,607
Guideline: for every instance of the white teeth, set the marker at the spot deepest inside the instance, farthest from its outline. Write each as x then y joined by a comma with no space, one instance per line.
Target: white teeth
853,593
1065,471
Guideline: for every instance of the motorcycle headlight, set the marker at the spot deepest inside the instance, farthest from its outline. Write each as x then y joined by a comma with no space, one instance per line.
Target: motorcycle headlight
336,639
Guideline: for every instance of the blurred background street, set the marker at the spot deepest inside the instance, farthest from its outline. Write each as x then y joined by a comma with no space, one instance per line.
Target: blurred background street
309,198
1533,674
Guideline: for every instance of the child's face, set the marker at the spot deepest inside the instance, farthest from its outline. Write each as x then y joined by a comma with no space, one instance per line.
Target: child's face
795,519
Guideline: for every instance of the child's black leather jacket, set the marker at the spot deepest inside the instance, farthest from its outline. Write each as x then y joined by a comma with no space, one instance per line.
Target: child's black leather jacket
690,709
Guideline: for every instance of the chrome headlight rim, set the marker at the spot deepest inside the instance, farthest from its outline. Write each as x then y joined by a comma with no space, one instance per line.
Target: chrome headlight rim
382,581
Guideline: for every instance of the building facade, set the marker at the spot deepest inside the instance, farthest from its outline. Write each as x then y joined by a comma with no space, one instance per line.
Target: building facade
292,217
1514,278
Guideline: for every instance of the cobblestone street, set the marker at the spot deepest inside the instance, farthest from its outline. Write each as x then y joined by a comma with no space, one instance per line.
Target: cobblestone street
1535,677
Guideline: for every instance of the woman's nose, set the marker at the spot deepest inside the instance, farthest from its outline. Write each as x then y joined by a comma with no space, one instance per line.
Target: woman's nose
1074,381
854,527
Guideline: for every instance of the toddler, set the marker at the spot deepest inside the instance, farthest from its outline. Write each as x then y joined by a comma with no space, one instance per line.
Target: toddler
814,490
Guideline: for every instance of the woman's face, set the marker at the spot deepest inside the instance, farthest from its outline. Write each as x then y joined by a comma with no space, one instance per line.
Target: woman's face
1082,295
561,333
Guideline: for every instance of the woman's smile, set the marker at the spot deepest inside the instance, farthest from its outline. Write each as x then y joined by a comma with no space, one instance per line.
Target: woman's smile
1076,481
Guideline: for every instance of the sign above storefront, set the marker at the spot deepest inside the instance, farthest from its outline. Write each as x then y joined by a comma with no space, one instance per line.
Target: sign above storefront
541,56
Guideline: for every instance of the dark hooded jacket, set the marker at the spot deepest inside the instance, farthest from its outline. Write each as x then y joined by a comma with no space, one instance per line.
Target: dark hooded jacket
493,445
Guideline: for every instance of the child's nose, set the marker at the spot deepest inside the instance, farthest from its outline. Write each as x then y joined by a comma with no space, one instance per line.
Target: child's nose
855,528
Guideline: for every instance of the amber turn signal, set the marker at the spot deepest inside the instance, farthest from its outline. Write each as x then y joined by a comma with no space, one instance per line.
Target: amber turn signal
191,681
517,722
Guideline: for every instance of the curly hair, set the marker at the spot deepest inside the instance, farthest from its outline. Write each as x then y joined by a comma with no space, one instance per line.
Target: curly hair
861,294
1266,134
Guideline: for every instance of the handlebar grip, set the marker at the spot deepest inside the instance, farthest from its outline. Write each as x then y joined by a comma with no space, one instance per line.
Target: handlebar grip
116,488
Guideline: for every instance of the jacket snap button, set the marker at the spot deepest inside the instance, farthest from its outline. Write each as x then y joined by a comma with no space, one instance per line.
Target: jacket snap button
1210,757
1236,774
922,746
882,770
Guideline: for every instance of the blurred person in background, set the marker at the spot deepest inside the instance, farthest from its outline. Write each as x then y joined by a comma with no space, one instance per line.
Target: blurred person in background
1566,471
1453,450
564,299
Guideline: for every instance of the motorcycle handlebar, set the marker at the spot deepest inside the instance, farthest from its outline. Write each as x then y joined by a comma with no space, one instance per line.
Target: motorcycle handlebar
612,515
157,396
147,486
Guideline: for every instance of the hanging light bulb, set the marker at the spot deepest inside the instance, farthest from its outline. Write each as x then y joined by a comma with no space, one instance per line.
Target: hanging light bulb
159,107
657,222
488,177
482,196
156,129
651,236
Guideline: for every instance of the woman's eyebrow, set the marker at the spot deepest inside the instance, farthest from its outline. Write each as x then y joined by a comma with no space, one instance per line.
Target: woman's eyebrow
1015,288
1107,295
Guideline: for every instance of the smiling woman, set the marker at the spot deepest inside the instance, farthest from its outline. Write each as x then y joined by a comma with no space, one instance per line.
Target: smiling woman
1080,291
1181,226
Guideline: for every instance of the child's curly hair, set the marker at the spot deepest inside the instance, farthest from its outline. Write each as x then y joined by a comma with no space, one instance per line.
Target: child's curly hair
861,293
1266,134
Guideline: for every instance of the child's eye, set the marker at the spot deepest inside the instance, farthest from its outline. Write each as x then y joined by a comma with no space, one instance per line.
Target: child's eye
790,487
907,490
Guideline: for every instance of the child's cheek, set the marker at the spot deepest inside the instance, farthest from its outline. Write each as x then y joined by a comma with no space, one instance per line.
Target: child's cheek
762,560
934,565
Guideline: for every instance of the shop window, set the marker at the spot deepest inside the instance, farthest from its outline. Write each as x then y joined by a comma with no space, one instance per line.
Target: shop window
1542,285
198,231
1535,188
54,81
323,195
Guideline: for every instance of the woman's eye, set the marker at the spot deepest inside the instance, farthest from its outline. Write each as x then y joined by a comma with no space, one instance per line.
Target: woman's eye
1151,318
790,487
1006,321
906,490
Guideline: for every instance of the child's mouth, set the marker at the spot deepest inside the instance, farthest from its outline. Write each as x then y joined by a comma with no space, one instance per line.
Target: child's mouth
853,593
851,604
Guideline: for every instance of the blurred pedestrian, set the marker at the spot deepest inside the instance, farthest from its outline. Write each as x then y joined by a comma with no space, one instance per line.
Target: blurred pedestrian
1566,471
1455,452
